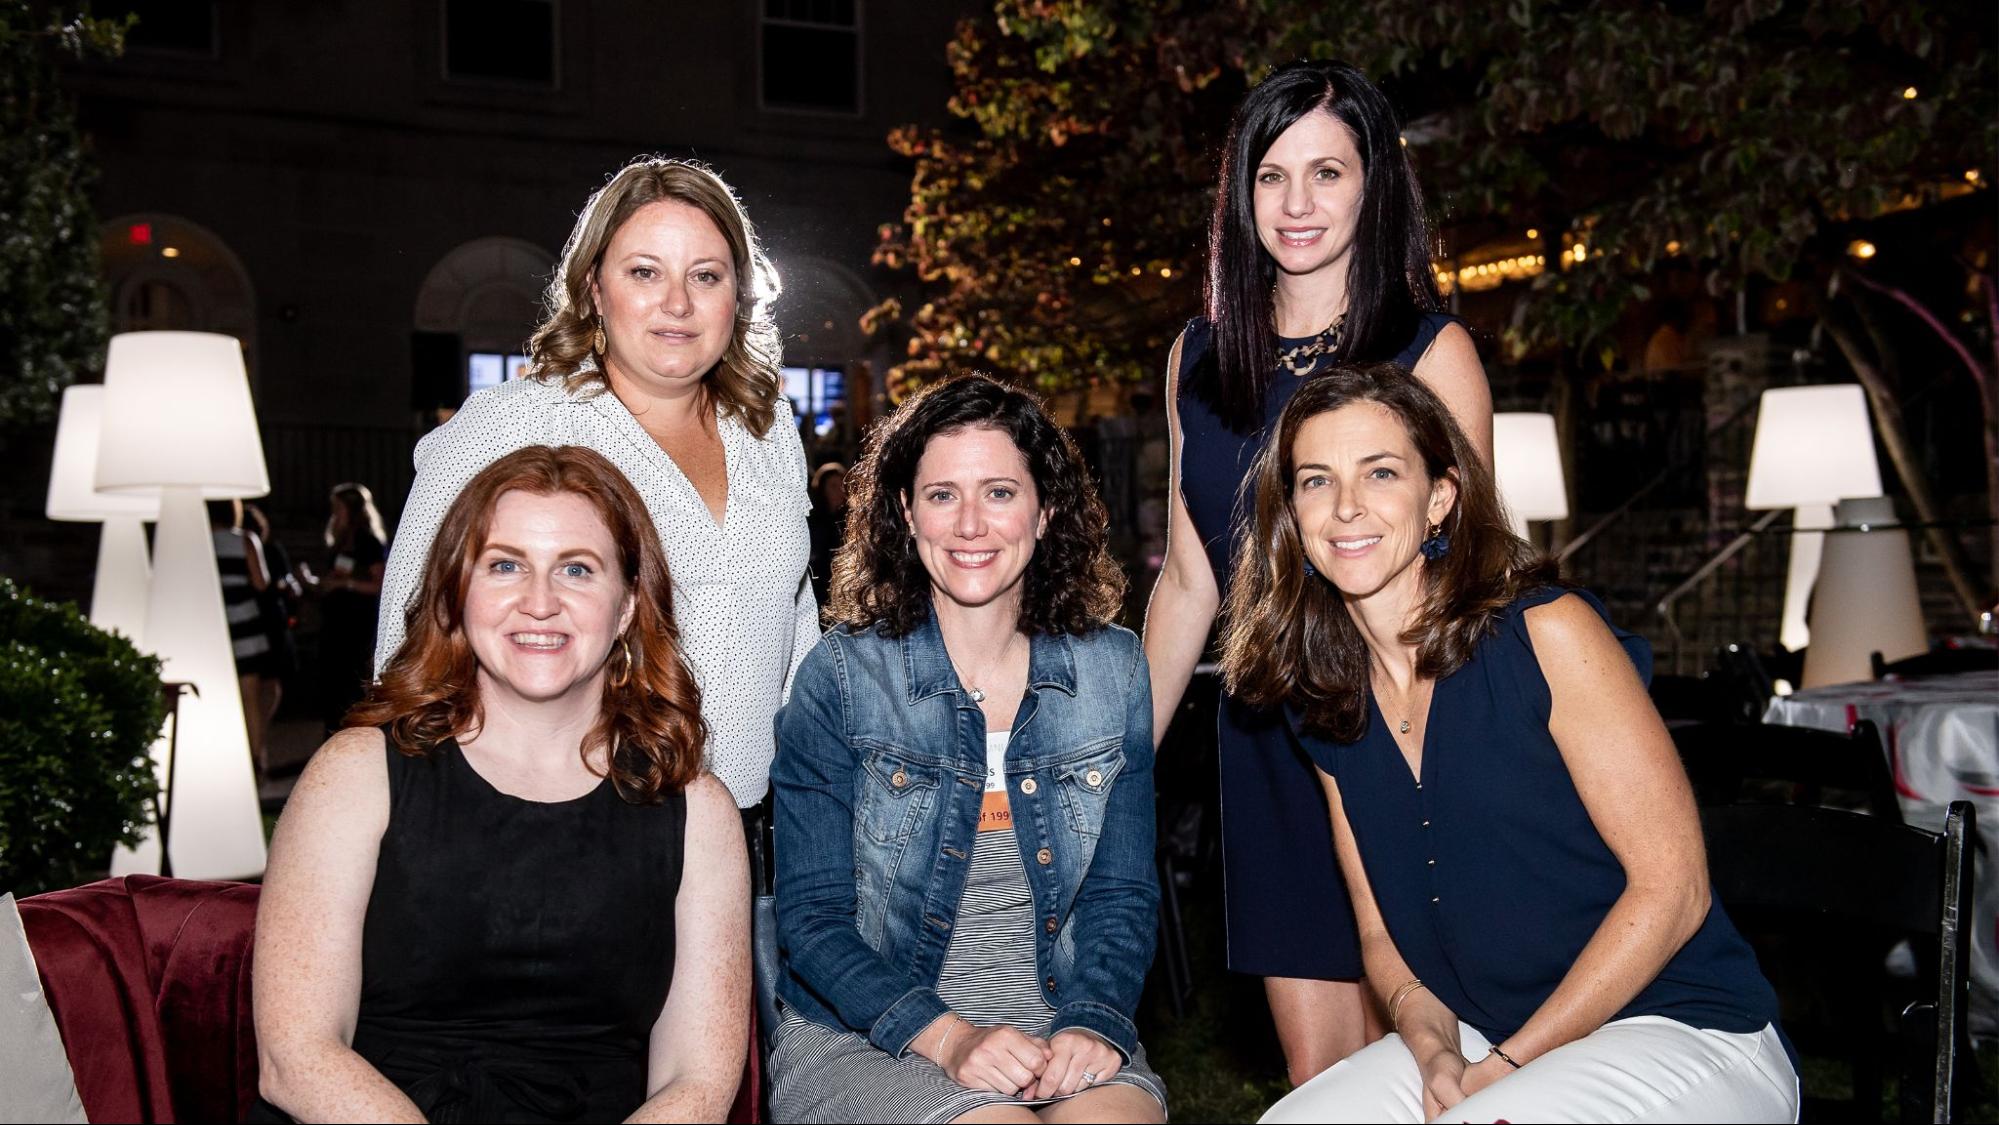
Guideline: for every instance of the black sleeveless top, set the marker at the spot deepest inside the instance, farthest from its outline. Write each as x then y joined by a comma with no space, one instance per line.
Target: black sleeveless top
516,953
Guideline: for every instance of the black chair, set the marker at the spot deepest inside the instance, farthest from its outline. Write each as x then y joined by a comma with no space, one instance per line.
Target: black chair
1698,699
1937,662
1825,874
1730,763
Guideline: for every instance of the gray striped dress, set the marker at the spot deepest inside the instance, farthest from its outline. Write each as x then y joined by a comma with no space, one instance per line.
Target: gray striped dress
989,977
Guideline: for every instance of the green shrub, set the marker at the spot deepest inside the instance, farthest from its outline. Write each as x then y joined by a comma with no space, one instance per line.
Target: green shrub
79,711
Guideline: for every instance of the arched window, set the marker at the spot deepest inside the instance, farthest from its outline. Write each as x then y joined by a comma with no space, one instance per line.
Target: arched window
474,314
166,273
825,352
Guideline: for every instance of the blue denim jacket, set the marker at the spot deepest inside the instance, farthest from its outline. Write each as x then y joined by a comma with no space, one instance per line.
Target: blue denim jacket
880,773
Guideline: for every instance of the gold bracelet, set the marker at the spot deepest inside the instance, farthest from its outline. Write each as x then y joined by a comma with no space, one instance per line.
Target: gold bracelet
944,1040
1395,1002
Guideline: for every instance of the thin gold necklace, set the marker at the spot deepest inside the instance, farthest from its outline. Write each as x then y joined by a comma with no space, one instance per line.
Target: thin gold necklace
972,688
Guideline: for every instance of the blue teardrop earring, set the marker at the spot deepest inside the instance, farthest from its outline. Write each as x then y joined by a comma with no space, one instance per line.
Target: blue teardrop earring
1437,545
1310,570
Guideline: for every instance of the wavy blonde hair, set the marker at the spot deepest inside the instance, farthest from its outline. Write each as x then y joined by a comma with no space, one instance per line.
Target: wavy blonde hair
745,382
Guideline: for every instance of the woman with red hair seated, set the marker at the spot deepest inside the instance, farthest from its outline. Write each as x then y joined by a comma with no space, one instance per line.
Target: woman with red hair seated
507,891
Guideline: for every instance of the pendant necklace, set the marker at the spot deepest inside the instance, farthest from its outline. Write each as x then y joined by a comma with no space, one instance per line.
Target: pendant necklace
972,689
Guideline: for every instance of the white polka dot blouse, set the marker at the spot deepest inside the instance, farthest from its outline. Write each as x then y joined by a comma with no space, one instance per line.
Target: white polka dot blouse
746,612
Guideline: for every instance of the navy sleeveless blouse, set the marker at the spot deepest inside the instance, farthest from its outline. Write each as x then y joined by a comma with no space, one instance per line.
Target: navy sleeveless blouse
1285,905
1488,872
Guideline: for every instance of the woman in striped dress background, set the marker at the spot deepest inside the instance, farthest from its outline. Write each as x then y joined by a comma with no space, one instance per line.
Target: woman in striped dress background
239,558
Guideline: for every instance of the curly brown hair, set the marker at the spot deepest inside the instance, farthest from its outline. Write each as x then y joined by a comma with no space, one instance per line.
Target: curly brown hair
650,723
1072,586
745,382
1289,638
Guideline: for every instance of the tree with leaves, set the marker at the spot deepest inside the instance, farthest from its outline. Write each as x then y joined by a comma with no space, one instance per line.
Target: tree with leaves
1056,232
52,303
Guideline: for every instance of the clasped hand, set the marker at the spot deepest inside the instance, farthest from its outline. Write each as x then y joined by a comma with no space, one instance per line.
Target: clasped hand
1015,1064
1447,1078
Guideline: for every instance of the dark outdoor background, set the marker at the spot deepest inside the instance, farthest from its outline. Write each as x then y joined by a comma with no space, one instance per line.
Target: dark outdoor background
1648,213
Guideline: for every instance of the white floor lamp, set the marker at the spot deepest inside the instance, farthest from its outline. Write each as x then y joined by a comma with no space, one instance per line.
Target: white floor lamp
118,594
178,424
1814,447
1527,460
1866,598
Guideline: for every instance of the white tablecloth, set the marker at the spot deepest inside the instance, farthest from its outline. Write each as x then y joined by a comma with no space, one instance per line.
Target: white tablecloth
1942,738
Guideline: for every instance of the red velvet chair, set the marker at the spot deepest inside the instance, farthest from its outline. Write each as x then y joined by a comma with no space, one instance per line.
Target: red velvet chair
149,980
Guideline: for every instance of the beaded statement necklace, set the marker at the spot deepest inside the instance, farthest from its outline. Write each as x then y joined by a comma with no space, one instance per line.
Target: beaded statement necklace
1300,359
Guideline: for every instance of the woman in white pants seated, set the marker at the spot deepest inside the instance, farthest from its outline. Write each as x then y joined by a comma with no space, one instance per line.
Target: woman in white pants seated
1518,837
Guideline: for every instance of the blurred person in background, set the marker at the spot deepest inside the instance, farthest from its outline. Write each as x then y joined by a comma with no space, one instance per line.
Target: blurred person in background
827,523
239,558
278,602
350,595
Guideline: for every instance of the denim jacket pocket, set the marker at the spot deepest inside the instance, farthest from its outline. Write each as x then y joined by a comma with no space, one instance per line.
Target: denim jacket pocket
895,793
1084,785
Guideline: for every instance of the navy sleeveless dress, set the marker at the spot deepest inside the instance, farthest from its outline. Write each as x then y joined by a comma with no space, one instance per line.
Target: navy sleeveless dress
1286,904
1488,871
516,953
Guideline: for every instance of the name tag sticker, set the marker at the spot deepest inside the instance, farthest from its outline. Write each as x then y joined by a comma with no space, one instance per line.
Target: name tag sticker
995,813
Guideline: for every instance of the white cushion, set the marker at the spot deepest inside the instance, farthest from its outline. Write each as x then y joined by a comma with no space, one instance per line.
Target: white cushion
35,1082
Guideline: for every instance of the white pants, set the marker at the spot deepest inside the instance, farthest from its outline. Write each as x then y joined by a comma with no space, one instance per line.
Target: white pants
1646,1068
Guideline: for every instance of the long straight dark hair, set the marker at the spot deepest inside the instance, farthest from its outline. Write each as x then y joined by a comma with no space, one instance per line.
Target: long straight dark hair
1389,283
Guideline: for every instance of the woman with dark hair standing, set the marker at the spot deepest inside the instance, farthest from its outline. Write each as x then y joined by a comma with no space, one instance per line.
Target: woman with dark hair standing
350,599
1522,848
1317,255
963,792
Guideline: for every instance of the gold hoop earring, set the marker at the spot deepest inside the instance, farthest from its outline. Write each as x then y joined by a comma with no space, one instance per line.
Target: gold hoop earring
597,342
623,676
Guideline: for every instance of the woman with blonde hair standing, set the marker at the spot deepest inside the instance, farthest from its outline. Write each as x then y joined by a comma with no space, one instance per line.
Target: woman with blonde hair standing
659,352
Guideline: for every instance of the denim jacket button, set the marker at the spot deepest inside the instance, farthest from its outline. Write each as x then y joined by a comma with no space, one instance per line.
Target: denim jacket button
1051,926
1050,982
1028,786
898,779
1044,857
1093,779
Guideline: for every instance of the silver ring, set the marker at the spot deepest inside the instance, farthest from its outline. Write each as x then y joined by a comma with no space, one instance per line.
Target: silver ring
1089,1079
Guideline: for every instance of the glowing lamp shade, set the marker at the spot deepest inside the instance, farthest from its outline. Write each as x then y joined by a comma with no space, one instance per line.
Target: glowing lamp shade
178,424
1527,459
177,414
118,596
1814,447
1866,599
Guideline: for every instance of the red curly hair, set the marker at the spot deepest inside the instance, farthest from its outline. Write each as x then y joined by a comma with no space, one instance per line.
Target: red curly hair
650,724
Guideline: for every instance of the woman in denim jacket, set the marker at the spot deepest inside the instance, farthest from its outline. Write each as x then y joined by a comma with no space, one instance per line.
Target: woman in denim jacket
965,885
